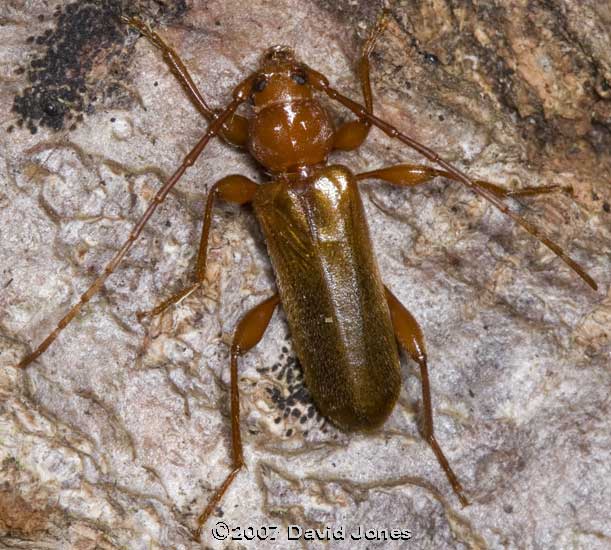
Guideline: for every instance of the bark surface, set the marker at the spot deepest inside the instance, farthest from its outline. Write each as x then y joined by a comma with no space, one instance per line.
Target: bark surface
118,434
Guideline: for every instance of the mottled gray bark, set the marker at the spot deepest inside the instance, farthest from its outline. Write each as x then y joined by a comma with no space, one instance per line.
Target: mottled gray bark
117,435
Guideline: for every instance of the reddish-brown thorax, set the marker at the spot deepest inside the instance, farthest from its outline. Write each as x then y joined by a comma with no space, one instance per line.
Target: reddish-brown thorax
290,130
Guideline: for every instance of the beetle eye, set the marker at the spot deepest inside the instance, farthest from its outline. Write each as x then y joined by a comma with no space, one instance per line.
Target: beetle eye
259,84
299,77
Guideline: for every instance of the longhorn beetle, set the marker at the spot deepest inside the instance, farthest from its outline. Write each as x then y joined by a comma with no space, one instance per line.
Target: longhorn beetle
344,322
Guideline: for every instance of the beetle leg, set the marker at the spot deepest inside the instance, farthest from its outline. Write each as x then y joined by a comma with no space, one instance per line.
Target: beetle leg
320,82
159,197
235,188
409,334
415,174
351,135
248,334
235,130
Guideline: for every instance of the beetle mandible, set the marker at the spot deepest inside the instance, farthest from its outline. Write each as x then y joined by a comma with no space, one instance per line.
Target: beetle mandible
314,225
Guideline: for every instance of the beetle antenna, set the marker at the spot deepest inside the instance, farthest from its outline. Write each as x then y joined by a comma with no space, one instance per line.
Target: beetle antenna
214,128
320,82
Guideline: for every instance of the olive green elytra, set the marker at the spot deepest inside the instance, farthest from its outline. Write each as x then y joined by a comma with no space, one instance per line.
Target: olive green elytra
333,296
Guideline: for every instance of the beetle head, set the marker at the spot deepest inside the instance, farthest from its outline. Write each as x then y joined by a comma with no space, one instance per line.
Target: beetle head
280,79
290,129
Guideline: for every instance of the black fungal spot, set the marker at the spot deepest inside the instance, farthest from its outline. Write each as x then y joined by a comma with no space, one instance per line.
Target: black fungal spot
84,33
606,207
73,59
431,58
290,396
